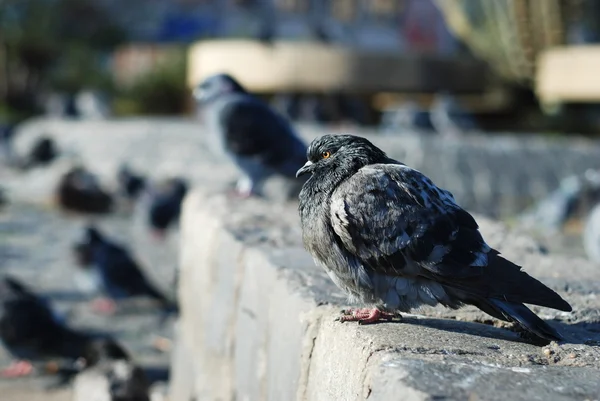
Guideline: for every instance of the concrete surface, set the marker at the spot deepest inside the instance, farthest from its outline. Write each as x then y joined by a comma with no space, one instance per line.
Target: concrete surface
257,317
258,323
35,243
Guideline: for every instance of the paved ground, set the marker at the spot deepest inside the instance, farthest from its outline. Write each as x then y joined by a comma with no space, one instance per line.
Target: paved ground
35,247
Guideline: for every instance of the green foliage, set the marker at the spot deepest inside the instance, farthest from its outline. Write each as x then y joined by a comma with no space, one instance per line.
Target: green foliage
53,44
78,68
162,91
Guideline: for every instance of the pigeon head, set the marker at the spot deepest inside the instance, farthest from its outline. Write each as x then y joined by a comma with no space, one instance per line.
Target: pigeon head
84,248
124,172
98,349
340,155
216,85
179,187
92,235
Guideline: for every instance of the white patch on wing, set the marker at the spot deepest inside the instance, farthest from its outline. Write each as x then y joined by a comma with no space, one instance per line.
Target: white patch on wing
437,253
338,210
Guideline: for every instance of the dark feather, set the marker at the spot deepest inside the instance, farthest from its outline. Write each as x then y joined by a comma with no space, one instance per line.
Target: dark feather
165,205
252,129
29,329
259,141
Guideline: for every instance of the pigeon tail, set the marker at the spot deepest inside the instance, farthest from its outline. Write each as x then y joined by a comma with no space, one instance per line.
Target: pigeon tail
505,280
522,315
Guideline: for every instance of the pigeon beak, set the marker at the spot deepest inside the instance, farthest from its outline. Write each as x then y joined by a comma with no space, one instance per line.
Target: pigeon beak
304,169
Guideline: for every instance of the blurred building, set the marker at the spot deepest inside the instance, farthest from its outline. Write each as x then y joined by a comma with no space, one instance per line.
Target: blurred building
405,25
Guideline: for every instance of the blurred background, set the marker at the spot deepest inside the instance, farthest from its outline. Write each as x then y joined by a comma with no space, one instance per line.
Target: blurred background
504,63
498,101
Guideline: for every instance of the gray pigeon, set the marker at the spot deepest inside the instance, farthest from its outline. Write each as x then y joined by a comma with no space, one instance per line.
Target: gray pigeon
591,235
260,142
111,375
391,239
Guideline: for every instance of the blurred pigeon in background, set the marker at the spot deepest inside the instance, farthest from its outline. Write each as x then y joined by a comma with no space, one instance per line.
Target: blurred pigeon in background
3,197
260,142
406,118
79,190
112,375
131,184
7,154
552,212
165,205
43,152
31,331
449,118
390,238
591,235
120,275
571,202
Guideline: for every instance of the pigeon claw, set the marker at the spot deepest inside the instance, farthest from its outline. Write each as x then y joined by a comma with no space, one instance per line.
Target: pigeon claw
17,369
365,316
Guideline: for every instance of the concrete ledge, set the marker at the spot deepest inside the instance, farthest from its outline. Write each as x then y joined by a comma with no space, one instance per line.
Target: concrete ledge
257,323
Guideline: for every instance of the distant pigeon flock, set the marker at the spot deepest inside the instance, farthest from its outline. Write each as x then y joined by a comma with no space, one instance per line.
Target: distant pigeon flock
392,240
260,142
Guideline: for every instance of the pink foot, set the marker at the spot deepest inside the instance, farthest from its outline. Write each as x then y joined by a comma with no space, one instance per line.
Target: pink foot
158,235
236,194
104,306
366,316
17,369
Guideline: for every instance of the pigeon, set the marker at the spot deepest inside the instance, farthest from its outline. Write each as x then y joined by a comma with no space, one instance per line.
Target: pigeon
165,205
80,191
591,235
391,239
260,142
3,198
31,331
406,118
111,375
131,184
448,118
120,275
7,154
42,153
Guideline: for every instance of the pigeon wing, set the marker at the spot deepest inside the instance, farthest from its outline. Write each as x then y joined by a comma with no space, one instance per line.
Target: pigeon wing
123,272
396,222
392,217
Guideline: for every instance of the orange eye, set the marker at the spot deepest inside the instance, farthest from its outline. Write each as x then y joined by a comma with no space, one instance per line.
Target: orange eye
325,155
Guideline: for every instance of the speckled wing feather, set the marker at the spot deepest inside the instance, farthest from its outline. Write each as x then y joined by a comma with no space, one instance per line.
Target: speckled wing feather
396,222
